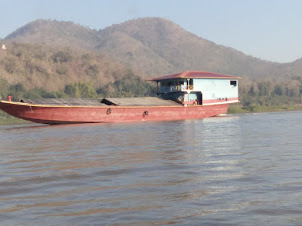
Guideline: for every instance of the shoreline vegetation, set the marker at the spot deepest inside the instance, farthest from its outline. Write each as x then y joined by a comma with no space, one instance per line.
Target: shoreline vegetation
6,119
239,109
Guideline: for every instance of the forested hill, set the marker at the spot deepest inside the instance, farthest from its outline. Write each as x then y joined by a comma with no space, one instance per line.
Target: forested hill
52,68
152,47
55,33
159,46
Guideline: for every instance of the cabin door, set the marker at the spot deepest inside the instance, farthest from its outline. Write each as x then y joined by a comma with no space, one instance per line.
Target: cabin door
199,98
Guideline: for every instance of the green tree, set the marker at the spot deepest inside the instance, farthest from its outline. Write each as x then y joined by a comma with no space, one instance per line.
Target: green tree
3,88
39,93
263,88
252,91
278,90
78,89
128,86
17,91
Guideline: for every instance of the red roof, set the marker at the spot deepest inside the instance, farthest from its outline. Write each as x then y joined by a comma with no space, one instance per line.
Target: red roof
195,74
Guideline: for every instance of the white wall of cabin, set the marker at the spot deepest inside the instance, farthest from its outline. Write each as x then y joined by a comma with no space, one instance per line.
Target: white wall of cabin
213,89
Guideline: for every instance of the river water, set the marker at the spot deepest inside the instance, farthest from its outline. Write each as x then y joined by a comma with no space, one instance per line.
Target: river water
236,170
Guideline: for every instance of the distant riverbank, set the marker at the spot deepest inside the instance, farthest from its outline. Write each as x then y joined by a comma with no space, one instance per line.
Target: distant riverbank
6,119
237,109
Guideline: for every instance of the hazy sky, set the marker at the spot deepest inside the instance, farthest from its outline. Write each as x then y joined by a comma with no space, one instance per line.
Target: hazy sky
267,29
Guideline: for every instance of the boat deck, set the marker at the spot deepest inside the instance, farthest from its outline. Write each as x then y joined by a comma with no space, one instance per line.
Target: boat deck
65,101
135,101
139,101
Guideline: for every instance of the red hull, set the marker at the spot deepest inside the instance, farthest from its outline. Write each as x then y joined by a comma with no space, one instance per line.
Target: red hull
48,114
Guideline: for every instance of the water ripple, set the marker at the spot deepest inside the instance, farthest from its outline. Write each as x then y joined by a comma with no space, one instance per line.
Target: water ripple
239,170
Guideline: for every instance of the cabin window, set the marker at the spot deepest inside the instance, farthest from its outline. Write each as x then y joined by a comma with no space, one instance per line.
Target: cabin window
190,84
233,83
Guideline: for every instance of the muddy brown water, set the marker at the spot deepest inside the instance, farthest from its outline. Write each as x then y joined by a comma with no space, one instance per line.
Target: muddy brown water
237,170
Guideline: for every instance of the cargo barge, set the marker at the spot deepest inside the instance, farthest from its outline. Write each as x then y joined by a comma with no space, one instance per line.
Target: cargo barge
185,95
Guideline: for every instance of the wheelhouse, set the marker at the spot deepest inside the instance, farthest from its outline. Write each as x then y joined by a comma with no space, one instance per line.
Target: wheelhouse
198,88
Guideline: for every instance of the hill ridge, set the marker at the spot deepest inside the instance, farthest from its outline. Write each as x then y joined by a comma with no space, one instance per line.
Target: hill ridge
152,46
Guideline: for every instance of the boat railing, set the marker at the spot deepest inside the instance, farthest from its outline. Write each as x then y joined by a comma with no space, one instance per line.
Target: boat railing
175,88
